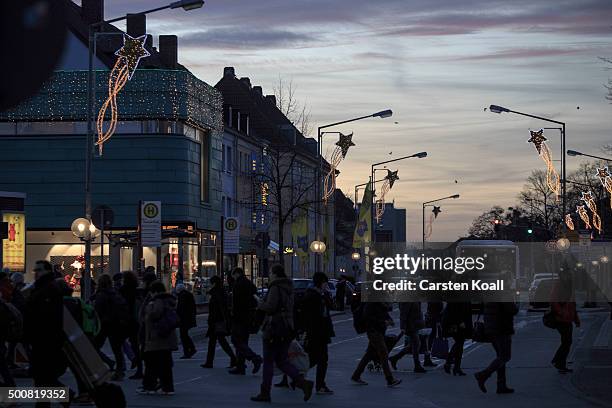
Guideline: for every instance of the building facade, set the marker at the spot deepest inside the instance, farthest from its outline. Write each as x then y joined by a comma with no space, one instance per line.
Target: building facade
167,147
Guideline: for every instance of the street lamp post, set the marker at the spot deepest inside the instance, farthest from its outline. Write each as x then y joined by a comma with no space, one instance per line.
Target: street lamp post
358,187
382,114
575,153
186,5
501,109
427,204
419,155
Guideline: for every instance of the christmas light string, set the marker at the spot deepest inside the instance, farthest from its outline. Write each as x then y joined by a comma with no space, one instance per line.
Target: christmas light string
129,56
606,180
584,215
590,203
552,177
339,153
432,217
390,179
569,222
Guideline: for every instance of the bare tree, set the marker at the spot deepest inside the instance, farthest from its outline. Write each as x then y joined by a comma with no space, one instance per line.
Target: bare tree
289,186
287,102
539,201
483,226
608,86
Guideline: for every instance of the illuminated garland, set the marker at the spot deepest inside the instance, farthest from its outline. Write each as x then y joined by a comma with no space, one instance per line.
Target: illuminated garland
569,222
584,215
130,54
590,202
552,177
606,180
339,153
432,217
387,185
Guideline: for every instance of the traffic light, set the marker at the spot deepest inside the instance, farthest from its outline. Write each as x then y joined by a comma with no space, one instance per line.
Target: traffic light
529,231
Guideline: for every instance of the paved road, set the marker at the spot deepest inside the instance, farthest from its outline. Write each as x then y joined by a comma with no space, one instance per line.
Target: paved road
529,372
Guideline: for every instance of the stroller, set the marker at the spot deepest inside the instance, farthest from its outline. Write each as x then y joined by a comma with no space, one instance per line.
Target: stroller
391,341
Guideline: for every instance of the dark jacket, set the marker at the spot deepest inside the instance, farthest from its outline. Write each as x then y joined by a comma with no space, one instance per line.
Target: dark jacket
457,320
433,315
563,303
278,307
218,313
376,315
411,317
154,310
44,327
243,304
186,309
113,311
499,318
134,298
317,320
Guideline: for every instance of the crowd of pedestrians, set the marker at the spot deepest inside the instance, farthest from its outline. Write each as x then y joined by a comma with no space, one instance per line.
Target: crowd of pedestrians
139,320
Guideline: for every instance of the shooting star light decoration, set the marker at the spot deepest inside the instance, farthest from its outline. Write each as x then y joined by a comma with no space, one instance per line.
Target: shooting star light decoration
590,203
130,54
584,215
606,180
339,153
429,227
390,179
569,222
552,177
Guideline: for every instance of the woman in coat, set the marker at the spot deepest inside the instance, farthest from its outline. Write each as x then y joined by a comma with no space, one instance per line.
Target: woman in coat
218,323
563,306
186,310
456,323
159,340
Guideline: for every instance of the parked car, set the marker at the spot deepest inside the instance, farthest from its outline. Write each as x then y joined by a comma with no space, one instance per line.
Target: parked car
539,290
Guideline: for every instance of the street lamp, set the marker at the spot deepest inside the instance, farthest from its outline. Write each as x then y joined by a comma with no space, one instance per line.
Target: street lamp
500,109
428,204
419,155
89,145
575,153
318,247
382,114
355,256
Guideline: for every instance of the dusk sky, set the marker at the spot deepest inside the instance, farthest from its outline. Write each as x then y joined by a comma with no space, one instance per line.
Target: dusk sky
437,64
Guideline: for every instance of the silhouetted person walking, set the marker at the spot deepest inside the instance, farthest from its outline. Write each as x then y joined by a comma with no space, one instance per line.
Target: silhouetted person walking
411,321
244,304
456,323
218,323
499,327
563,306
186,310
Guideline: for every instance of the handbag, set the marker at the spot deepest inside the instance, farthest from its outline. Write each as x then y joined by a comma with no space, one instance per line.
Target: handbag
439,347
478,333
550,319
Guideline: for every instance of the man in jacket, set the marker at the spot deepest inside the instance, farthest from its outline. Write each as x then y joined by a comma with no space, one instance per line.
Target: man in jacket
278,332
244,304
159,344
499,327
186,310
563,305
377,319
43,328
318,327
411,321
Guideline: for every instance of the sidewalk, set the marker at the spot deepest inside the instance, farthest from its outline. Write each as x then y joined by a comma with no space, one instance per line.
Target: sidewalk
593,362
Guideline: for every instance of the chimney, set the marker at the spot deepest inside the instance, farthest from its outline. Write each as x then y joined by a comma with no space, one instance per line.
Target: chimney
136,25
229,72
246,81
92,11
258,91
271,99
168,50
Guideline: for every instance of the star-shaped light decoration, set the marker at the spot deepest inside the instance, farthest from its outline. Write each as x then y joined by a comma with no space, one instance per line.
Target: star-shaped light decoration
436,211
344,143
537,138
392,177
132,52
603,173
587,197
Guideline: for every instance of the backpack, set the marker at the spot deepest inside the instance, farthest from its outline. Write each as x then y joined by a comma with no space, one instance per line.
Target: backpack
91,322
167,322
14,330
359,321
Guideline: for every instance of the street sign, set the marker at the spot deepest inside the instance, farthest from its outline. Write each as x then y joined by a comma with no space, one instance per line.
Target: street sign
150,223
231,235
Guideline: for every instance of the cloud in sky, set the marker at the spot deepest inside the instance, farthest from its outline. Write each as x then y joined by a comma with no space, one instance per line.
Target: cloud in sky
437,64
